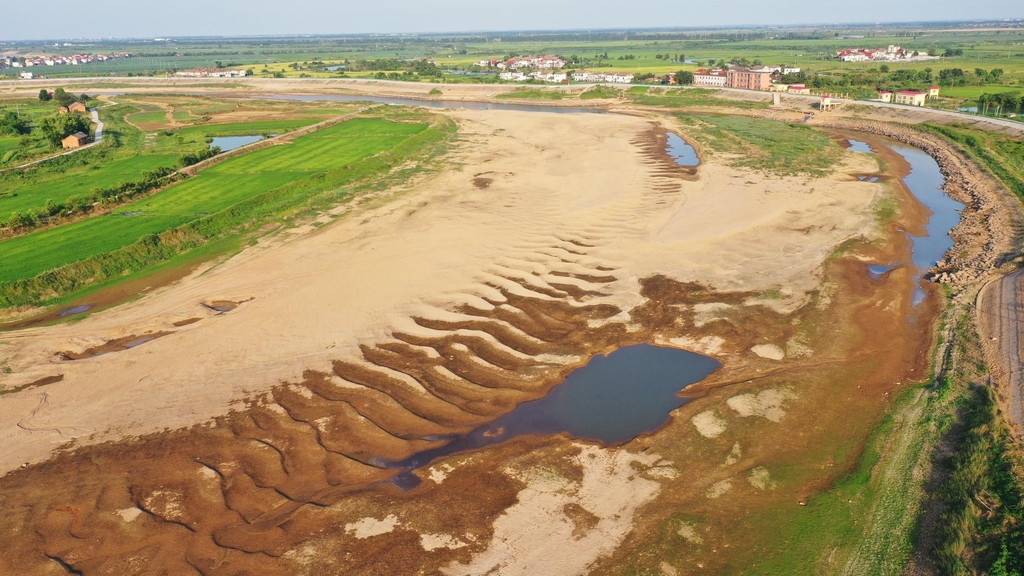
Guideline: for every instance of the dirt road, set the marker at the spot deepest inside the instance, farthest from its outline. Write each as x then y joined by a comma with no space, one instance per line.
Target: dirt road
999,318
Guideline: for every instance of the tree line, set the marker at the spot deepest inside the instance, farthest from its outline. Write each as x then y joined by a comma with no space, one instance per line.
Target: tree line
76,204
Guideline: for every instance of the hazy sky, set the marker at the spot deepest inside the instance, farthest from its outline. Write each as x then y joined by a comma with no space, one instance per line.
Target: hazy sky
35,19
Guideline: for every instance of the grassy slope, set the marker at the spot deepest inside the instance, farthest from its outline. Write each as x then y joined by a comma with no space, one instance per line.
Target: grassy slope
211,191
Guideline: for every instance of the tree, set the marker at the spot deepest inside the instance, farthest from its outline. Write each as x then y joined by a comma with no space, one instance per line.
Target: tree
884,68
44,95
56,129
12,125
63,98
684,77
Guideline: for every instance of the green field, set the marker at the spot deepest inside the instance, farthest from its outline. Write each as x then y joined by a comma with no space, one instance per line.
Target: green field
213,190
972,92
35,192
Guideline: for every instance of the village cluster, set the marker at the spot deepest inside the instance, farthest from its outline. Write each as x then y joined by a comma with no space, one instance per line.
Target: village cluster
890,54
75,60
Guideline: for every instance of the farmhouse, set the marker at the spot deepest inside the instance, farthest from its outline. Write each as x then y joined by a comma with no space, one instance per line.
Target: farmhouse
933,91
910,97
25,75
714,77
77,107
75,140
799,89
756,78
884,96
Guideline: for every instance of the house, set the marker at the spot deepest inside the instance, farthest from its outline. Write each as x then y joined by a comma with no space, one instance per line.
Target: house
76,140
514,76
799,89
714,77
63,110
884,96
826,103
619,77
933,91
910,97
586,76
26,75
77,107
549,76
756,78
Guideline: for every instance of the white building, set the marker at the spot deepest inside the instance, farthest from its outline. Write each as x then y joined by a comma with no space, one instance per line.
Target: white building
514,76
619,77
714,77
549,76
25,75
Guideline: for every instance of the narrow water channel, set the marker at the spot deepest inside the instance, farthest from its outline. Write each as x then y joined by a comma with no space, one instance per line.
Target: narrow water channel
612,399
924,181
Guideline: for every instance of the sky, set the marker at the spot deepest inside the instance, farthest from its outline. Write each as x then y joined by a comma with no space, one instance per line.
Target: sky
35,19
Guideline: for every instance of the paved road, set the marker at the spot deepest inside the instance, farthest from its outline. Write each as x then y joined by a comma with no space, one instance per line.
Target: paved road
1000,313
98,138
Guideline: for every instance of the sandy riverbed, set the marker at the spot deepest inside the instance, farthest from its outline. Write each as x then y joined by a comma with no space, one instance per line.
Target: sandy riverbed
428,310
552,180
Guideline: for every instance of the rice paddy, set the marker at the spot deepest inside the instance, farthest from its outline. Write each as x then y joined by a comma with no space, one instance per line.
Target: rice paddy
213,190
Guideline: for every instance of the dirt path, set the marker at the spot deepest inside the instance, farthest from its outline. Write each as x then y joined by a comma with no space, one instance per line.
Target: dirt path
999,319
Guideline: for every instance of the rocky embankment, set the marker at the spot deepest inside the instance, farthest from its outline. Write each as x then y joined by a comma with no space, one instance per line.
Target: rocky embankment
989,226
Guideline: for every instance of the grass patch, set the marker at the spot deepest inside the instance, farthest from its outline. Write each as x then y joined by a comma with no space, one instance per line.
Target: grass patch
600,92
767,145
688,98
532,94
1001,155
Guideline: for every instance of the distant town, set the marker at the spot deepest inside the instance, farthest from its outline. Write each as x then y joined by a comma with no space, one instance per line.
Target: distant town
74,60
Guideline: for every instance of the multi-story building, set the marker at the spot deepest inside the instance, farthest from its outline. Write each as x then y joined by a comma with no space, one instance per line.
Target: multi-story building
756,78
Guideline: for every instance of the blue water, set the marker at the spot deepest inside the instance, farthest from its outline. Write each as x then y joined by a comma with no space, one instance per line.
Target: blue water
231,142
435,103
612,399
876,270
925,183
73,310
683,153
858,146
